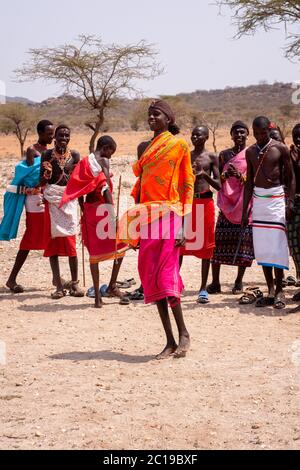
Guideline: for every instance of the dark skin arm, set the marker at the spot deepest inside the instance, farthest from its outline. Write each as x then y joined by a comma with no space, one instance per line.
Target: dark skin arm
31,153
248,191
81,202
45,167
290,182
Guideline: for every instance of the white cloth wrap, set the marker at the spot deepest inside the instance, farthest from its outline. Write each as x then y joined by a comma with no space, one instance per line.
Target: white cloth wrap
63,220
269,227
34,203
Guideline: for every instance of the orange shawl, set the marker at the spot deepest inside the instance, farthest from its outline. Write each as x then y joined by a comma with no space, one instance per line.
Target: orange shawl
166,182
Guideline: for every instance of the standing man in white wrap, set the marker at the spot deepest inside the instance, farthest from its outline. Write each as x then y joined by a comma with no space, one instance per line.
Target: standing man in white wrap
60,223
271,183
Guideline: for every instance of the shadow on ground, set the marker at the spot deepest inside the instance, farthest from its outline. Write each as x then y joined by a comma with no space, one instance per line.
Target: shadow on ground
102,356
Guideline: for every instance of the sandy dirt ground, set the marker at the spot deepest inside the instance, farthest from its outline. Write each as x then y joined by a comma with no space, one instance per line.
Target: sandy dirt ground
74,377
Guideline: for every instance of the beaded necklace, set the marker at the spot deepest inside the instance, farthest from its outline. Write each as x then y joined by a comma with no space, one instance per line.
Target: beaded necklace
61,159
261,151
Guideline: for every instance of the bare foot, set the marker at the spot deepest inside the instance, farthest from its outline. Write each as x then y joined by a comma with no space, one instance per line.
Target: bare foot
14,287
183,347
167,352
98,304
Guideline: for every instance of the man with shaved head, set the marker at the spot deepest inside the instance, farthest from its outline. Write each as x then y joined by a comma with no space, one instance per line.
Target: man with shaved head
271,183
206,169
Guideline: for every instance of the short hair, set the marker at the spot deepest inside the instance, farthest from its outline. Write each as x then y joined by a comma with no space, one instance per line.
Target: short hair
295,128
62,126
203,126
262,122
106,140
41,127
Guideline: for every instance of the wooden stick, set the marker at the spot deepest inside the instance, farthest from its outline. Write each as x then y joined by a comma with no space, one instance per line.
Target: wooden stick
82,256
117,218
83,262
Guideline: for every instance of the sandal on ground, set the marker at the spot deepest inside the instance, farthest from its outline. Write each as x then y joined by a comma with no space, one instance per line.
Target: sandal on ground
279,302
124,299
296,297
265,302
17,289
103,290
250,295
90,293
58,294
135,295
203,297
126,284
288,281
291,281
75,292
214,289
237,289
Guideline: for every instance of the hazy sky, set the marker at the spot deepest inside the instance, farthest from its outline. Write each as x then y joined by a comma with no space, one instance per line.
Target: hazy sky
195,44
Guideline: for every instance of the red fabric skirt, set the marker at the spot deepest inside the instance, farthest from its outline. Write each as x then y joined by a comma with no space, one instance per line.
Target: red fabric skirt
33,238
59,246
202,229
101,245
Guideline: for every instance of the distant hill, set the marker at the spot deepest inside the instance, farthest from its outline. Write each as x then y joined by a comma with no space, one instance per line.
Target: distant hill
19,99
222,106
253,100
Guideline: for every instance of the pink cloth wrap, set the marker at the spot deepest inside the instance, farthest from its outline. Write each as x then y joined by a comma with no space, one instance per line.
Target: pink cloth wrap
231,195
159,259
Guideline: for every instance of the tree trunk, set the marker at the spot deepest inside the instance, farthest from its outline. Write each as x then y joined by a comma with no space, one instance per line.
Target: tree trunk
96,132
214,142
22,148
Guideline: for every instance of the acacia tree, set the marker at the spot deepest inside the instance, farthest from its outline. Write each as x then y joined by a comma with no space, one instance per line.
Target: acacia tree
16,118
213,121
250,15
94,71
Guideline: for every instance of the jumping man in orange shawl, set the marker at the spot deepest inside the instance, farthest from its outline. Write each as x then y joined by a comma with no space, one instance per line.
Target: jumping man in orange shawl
164,193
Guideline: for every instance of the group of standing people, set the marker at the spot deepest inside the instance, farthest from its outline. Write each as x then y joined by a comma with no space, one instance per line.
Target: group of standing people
257,195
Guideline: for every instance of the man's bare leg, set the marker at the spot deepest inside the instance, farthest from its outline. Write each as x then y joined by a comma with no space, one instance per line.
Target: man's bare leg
114,275
204,273
95,276
184,337
170,348
12,280
238,283
268,272
215,286
279,294
73,263
59,293
75,290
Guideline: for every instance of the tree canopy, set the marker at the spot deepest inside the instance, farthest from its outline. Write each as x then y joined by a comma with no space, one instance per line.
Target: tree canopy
95,71
250,15
18,119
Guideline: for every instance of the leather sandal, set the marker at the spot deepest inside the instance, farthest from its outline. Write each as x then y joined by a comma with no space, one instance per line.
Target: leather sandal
58,294
76,292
